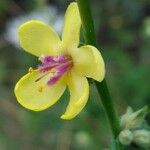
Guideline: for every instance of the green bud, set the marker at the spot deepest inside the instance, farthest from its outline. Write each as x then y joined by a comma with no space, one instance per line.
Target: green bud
142,138
132,119
125,137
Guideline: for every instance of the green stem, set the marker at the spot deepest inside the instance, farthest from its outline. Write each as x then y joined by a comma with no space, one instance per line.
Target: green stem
109,107
90,38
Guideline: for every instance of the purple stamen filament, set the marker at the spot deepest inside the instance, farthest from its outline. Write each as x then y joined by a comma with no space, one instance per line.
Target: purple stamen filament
58,65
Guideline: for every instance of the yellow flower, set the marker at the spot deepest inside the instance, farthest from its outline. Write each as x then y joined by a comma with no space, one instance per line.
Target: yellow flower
63,64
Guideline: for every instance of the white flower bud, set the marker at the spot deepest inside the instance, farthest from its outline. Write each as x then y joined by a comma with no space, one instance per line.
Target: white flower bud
132,119
142,137
125,137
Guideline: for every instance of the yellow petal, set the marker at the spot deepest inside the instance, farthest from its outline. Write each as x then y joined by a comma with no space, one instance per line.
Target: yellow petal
37,95
79,92
71,32
88,62
38,38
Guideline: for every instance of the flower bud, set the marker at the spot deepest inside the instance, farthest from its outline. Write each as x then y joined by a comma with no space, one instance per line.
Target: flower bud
125,137
132,119
142,138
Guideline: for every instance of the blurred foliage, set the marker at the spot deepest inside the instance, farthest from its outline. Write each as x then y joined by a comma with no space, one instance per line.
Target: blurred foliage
123,33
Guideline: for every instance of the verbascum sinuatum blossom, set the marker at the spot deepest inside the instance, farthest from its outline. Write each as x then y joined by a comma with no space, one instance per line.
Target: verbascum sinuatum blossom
63,64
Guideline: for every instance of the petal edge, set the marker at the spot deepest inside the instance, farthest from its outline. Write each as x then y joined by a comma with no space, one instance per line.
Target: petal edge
72,24
88,62
79,93
37,96
38,38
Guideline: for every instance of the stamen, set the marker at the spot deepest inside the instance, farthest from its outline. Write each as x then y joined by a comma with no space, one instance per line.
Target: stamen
30,69
41,77
58,65
47,67
47,59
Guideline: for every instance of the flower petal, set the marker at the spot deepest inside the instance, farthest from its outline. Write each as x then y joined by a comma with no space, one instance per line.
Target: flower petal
71,32
88,62
35,94
79,92
38,38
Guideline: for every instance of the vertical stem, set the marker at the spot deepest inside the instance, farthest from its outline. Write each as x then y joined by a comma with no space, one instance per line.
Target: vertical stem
90,38
109,107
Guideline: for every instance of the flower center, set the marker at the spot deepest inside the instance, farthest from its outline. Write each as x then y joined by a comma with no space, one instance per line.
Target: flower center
56,65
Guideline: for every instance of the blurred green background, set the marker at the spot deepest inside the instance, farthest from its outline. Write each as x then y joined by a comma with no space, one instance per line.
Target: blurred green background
123,34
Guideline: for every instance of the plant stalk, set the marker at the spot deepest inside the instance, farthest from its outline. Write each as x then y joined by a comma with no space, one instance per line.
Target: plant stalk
90,38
